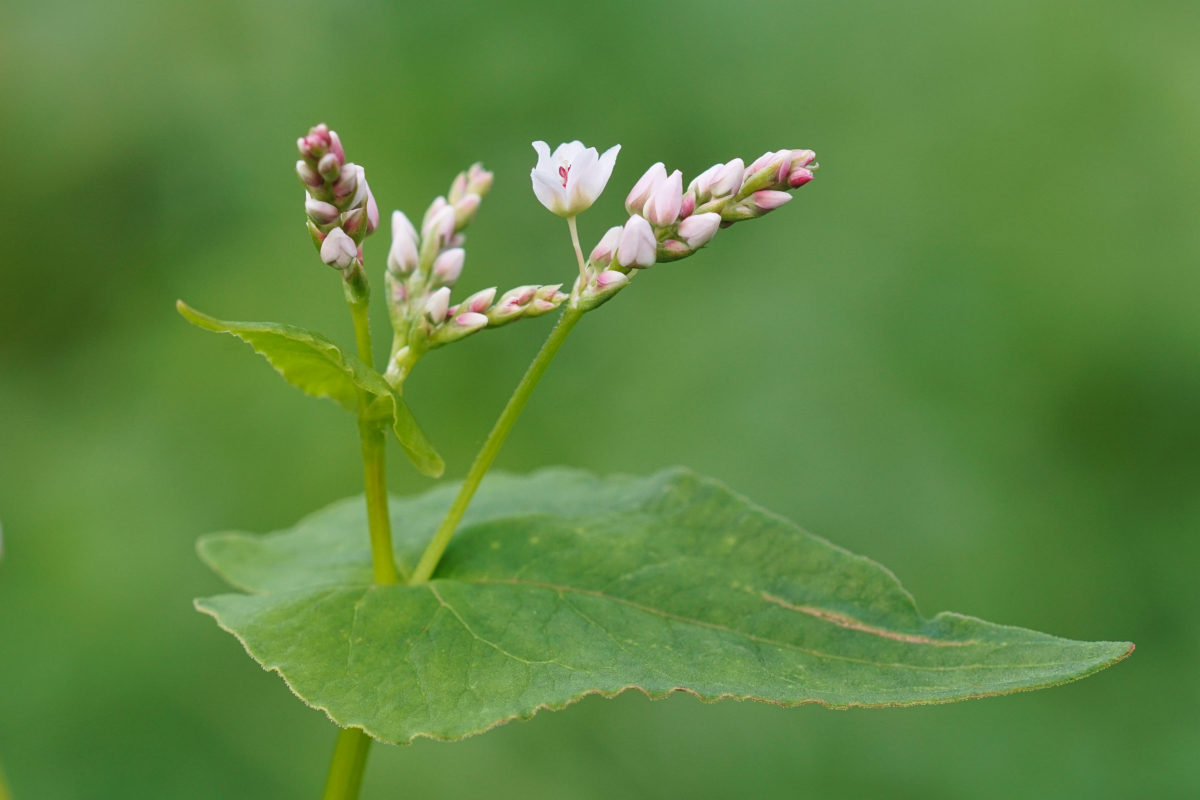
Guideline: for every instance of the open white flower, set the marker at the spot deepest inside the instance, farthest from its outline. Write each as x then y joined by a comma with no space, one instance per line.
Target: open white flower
568,181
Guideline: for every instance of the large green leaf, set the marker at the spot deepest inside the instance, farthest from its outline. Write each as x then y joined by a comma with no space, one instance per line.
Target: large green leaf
319,368
560,584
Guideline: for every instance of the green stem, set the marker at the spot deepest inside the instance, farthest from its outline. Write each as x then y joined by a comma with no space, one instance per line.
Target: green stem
5,793
349,761
487,454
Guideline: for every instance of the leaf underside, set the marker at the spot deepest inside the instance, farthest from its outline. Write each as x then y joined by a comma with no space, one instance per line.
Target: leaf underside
319,368
561,584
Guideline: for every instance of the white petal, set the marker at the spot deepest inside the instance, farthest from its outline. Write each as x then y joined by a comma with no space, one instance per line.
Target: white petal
543,151
549,192
592,183
567,151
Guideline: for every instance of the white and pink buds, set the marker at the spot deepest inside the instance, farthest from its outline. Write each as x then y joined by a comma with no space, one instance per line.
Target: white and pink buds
602,253
728,179
339,250
637,247
448,266
438,304
698,230
568,181
663,207
644,189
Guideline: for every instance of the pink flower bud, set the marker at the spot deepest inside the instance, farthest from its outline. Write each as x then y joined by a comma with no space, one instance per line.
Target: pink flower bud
802,158
309,176
449,266
480,301
471,320
347,184
689,205
663,207
329,167
438,304
699,230
702,183
785,165
361,189
799,177
760,162
464,210
602,253
400,223
638,247
727,179
645,188
372,214
769,200
611,279
550,293
458,187
335,147
520,295
321,213
338,250
353,222
479,180
434,209
673,250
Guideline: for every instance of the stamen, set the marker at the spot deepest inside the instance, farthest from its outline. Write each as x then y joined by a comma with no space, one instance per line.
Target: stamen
562,173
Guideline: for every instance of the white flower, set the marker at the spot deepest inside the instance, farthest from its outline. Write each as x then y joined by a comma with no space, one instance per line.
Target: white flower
698,230
568,181
638,246
338,250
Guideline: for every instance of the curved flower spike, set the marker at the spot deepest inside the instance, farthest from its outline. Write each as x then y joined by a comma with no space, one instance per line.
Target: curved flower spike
568,181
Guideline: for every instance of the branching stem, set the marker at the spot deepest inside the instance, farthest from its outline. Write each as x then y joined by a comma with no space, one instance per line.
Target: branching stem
487,454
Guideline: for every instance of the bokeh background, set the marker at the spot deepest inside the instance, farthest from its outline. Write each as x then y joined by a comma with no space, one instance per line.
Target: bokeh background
970,350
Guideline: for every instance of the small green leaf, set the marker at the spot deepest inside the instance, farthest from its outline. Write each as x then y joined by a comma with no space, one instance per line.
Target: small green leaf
560,584
319,368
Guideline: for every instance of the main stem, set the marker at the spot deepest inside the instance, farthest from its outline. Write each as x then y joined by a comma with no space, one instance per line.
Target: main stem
353,745
487,454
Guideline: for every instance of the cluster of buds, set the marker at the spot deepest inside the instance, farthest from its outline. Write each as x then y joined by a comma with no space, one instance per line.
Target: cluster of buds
667,223
341,209
422,268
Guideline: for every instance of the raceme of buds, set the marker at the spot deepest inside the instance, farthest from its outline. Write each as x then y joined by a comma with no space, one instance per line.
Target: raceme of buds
448,266
663,207
337,194
698,230
644,189
637,247
570,179
602,253
338,250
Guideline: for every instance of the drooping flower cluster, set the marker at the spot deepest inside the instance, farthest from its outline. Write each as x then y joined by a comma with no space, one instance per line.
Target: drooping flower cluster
341,209
667,223
422,268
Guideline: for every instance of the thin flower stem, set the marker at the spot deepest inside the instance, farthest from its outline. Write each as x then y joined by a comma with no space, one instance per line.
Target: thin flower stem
5,794
487,454
578,252
349,761
374,454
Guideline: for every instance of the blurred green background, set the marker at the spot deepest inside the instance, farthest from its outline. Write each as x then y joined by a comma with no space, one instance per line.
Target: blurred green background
970,350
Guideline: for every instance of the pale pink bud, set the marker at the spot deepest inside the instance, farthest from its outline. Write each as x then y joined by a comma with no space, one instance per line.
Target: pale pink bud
671,250
689,205
438,304
638,247
699,230
372,214
458,187
785,164
449,266
802,158
361,190
645,188
321,213
610,279
480,301
329,167
769,200
400,222
335,147
403,257
338,250
347,184
353,221
479,180
545,300
760,162
464,210
550,293
309,176
702,183
663,206
520,295
434,209
799,177
728,179
602,253
471,320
